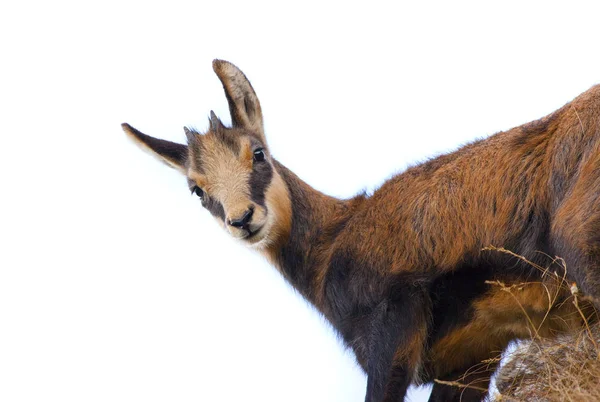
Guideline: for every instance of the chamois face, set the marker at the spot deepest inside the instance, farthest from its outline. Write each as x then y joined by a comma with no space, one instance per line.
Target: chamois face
230,168
231,171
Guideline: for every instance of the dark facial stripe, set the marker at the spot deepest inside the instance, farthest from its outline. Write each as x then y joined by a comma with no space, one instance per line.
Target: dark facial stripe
262,173
214,207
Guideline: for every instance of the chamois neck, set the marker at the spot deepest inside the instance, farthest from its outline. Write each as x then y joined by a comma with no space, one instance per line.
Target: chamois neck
316,221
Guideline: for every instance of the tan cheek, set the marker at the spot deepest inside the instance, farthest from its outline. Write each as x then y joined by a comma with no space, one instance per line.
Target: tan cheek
278,199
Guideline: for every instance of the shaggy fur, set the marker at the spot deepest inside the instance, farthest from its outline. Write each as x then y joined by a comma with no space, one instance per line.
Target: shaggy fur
403,275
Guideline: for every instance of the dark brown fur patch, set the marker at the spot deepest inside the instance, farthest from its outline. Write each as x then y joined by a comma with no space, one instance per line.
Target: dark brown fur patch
260,178
214,207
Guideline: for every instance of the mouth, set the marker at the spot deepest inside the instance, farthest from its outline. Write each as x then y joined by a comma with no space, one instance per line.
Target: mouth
252,233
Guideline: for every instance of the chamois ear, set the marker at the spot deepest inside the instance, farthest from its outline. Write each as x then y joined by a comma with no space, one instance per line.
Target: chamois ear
171,153
243,102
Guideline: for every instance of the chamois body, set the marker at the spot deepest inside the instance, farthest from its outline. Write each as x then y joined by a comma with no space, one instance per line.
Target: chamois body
402,274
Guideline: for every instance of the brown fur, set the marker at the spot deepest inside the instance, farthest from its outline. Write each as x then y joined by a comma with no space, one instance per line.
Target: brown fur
403,274
518,311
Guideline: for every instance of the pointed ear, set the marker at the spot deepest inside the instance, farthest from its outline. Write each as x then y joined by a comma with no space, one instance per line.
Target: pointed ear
243,102
171,153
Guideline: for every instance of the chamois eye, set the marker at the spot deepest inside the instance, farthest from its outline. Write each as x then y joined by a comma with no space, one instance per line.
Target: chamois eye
259,155
198,191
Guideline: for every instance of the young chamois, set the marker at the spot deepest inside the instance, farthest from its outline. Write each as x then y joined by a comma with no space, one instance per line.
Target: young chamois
403,275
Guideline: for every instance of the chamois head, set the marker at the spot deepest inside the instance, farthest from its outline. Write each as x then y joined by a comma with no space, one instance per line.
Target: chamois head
230,168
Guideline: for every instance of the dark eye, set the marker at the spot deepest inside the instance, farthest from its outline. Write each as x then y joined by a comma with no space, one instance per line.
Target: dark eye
259,155
198,191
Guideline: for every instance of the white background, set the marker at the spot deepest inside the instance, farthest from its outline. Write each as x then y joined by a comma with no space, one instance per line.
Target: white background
115,284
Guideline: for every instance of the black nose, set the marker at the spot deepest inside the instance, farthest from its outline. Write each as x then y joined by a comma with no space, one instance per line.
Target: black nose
243,221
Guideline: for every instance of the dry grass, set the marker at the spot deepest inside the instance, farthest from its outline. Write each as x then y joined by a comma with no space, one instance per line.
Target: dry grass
562,366
565,367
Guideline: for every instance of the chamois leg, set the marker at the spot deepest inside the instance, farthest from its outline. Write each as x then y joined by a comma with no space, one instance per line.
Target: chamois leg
576,233
476,383
396,336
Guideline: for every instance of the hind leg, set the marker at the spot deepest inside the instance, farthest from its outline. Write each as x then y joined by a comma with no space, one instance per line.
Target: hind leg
575,233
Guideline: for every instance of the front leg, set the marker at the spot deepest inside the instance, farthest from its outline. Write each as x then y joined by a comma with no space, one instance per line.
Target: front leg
396,336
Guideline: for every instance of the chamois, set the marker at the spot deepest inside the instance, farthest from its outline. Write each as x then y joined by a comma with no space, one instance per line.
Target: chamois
404,275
